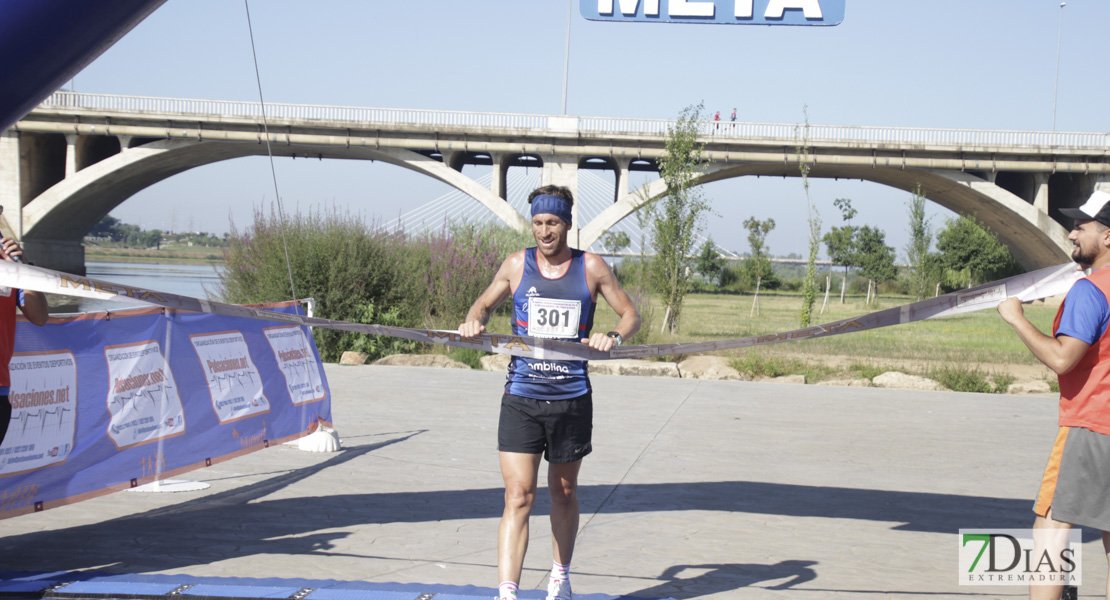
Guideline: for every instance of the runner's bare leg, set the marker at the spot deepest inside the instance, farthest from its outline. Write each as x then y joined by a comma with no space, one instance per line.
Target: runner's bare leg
562,486
520,472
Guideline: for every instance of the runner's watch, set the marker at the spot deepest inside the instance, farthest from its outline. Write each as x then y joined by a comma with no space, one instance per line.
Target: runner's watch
616,336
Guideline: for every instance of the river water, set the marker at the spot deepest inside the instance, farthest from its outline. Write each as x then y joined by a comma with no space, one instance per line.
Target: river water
195,280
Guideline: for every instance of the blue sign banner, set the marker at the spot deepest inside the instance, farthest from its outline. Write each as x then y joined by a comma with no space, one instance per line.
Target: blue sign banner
102,402
726,12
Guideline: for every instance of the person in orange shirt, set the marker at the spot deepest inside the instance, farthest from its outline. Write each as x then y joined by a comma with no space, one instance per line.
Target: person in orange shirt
1075,489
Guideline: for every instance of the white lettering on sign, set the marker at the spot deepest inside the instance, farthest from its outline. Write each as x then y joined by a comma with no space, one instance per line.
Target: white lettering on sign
810,8
742,9
690,8
628,7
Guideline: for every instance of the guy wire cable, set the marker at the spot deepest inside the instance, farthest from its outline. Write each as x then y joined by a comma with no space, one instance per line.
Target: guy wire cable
270,155
277,194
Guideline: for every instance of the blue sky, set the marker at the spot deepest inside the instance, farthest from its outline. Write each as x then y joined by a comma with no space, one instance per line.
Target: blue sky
987,64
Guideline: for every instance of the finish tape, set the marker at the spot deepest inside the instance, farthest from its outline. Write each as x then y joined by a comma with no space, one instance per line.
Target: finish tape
1038,284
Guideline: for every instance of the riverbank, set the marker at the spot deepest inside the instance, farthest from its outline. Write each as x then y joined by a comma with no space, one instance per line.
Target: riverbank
173,254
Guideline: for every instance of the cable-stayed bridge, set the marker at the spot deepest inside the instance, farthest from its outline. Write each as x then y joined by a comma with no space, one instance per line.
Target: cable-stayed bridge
594,196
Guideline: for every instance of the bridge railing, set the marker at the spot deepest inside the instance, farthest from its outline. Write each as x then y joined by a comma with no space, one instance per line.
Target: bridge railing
298,112
603,125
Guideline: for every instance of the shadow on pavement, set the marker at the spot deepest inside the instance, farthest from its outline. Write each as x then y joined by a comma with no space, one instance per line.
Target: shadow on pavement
242,522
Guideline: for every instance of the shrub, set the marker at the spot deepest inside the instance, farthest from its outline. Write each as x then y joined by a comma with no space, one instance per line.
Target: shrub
468,356
362,274
335,258
378,346
759,365
460,264
962,379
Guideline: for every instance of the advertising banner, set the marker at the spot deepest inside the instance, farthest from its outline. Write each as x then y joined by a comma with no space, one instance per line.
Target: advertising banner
106,401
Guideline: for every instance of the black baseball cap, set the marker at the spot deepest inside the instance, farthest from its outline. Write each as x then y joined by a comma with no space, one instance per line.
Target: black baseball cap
1096,208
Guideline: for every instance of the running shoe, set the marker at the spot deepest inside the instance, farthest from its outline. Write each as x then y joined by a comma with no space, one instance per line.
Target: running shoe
559,589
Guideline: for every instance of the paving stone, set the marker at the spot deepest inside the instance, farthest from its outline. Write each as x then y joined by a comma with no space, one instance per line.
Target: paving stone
696,489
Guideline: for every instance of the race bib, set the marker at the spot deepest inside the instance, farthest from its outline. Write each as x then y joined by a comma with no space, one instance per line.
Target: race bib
550,318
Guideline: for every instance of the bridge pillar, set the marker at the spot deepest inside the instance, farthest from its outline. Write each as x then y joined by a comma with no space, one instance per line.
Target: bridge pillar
67,256
1040,192
563,170
499,182
622,178
71,154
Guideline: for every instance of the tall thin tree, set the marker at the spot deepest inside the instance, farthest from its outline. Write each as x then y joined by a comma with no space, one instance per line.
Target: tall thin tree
678,215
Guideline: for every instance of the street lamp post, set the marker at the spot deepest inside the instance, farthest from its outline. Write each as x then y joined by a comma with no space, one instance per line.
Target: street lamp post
566,58
1056,87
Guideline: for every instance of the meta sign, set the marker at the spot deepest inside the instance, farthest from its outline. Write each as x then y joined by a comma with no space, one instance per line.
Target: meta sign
728,12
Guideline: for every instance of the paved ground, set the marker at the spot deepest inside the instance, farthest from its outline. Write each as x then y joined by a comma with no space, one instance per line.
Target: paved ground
696,489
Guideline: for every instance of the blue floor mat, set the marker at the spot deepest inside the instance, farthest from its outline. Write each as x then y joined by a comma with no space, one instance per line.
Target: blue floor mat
106,586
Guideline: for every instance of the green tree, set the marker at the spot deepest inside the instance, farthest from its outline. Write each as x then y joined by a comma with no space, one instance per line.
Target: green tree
841,242
874,258
809,285
759,260
615,241
678,215
710,262
921,276
107,227
971,254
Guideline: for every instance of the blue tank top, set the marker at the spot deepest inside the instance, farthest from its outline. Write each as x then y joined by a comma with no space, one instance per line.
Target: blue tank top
556,309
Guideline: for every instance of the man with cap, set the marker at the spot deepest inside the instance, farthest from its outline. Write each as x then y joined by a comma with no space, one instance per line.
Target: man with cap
1075,489
547,407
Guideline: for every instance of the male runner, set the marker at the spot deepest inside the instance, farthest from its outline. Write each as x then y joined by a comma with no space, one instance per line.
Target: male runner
1075,489
547,408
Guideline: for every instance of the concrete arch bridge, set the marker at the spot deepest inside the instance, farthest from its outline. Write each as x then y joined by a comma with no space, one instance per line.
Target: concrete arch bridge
74,158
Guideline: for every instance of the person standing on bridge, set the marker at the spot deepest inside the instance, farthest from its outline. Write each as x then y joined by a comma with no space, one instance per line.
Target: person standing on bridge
1076,483
33,306
547,407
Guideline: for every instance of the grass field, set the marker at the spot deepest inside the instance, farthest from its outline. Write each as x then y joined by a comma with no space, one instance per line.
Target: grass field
972,341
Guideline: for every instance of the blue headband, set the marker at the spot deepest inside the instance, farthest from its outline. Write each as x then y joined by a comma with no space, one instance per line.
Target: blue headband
551,205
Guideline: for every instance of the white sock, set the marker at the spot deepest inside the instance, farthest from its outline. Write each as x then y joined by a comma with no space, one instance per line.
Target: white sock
507,590
560,572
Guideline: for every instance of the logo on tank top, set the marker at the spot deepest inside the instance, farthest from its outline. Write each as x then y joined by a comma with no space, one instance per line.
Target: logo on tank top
548,367
532,293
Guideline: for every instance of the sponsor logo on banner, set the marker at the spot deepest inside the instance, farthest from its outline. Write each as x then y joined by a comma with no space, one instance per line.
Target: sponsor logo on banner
43,395
143,398
234,383
297,363
1020,557
721,12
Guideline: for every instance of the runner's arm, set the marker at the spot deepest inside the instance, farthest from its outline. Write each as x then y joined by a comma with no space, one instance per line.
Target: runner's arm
1060,354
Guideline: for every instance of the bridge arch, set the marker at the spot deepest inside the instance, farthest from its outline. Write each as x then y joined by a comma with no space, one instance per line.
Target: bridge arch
1035,239
64,212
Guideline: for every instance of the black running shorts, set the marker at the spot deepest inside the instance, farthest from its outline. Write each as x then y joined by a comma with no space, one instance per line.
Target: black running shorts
561,429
